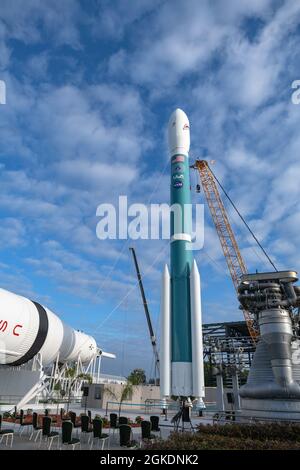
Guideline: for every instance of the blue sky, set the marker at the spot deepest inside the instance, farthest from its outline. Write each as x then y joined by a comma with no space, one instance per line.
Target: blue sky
90,87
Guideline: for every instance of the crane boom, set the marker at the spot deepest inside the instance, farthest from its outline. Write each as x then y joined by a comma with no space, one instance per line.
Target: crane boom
148,318
235,262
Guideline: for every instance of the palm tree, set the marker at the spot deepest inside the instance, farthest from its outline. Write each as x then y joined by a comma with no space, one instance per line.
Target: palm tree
71,373
137,377
124,394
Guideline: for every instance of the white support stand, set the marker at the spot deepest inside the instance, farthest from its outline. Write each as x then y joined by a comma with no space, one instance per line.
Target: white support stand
47,382
220,393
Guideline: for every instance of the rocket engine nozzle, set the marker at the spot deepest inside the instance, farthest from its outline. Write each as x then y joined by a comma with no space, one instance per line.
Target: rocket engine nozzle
269,295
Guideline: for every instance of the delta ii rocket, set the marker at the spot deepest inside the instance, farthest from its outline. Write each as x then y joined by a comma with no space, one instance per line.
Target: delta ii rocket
181,350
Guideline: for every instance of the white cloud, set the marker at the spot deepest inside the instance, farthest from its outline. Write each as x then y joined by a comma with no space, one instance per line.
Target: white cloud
12,233
92,174
185,36
113,19
35,19
90,133
172,49
37,66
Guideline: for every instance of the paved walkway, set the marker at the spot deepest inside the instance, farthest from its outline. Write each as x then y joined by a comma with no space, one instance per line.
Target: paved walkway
22,442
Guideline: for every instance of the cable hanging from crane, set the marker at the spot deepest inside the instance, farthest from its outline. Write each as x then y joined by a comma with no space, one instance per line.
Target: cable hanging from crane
233,256
244,221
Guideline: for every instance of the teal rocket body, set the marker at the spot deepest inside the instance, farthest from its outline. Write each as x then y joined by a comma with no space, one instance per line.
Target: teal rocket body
181,259
181,372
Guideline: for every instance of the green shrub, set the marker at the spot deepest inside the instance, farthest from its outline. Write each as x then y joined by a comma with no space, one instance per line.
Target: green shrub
198,441
105,421
133,444
138,419
234,436
261,432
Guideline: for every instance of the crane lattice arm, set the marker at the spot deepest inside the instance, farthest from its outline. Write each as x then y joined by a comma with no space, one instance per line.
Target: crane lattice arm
147,313
229,245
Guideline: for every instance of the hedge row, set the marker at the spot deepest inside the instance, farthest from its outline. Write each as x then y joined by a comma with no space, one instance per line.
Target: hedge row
260,432
205,441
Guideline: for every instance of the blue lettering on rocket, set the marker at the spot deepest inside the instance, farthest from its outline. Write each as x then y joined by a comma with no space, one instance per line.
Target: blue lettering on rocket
178,177
177,169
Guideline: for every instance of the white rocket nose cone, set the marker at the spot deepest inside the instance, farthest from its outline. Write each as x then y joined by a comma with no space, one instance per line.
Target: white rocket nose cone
179,133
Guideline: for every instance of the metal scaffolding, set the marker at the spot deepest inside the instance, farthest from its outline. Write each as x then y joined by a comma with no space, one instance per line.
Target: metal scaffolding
227,345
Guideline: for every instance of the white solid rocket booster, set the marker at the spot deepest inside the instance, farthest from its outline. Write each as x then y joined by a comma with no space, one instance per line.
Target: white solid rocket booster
165,336
197,342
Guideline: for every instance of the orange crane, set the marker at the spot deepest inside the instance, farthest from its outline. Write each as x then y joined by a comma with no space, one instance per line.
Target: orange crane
235,262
